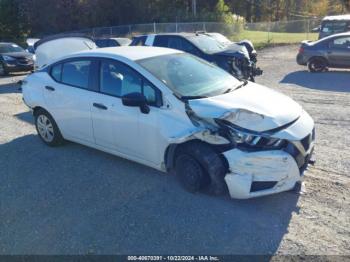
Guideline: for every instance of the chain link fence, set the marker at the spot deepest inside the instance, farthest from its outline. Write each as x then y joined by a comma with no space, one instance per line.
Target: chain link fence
259,33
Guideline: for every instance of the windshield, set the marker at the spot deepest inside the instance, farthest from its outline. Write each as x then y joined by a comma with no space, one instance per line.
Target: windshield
10,48
334,27
207,44
220,38
189,76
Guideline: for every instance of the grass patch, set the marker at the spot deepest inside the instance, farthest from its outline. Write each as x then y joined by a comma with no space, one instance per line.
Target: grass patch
262,38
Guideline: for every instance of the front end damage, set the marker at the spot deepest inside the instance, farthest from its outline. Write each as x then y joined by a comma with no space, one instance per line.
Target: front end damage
259,162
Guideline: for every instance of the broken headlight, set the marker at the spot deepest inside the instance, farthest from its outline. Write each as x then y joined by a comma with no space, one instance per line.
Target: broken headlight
247,138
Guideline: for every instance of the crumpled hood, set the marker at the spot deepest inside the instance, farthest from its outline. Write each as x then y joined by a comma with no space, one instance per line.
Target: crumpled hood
235,50
272,109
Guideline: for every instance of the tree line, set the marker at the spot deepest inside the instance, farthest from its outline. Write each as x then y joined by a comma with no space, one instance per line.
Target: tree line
22,18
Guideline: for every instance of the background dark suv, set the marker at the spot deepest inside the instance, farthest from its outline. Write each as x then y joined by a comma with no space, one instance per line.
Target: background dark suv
14,58
234,58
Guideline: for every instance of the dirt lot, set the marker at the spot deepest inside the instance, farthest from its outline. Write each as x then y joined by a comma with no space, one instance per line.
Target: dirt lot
76,200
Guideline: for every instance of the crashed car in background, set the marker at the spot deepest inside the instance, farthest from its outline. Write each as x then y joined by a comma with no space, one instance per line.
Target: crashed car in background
234,59
171,111
14,58
246,43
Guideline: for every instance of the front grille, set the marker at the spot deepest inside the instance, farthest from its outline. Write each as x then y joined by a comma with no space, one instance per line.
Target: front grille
262,185
301,159
24,61
306,141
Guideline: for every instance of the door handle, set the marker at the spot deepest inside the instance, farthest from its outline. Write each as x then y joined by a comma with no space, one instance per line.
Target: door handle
50,88
100,106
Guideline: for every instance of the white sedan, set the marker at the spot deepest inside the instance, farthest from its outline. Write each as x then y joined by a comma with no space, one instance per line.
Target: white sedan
172,111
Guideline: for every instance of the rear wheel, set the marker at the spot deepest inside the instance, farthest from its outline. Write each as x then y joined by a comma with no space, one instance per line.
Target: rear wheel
317,65
47,128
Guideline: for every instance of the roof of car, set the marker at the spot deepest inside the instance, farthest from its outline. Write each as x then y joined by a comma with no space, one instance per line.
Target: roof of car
132,52
178,34
337,17
337,35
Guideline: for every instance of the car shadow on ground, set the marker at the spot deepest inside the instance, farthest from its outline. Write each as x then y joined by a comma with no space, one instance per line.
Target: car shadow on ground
10,88
338,81
76,200
26,117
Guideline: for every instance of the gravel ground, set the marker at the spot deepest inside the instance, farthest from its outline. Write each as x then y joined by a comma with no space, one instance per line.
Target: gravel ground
77,200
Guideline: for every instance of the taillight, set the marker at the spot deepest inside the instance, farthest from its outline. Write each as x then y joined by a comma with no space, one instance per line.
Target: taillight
301,50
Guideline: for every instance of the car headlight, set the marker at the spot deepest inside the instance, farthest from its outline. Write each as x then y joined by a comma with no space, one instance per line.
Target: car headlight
247,138
8,58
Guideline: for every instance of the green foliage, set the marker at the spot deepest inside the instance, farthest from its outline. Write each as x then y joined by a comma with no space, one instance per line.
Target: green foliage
19,18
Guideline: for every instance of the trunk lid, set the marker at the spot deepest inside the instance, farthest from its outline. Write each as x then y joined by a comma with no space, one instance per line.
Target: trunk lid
48,50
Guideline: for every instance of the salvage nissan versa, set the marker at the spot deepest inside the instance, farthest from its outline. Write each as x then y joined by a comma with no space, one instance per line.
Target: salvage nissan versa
173,111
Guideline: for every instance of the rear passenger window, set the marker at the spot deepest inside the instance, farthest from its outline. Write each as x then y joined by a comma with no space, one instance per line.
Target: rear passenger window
56,72
76,73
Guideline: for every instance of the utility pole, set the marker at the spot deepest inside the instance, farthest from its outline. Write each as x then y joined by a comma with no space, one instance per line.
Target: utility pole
194,7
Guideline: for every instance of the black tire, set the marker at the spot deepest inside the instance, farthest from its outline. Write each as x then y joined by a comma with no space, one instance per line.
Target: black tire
43,117
317,65
199,166
189,172
3,71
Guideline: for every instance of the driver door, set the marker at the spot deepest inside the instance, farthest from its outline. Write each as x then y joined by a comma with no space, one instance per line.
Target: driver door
122,128
339,52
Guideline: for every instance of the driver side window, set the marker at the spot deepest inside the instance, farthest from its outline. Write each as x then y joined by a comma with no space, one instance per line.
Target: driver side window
118,80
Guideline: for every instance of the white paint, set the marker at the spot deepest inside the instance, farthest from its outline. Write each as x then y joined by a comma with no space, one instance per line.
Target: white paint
144,138
246,168
337,17
49,51
276,108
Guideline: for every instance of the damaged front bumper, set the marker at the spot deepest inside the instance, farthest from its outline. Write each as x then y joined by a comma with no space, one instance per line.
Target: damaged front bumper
264,172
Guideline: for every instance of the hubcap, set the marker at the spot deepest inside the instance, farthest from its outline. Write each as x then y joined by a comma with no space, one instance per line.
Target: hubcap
317,66
45,128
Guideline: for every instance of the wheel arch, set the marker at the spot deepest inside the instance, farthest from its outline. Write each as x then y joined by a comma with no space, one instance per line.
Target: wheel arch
172,150
318,57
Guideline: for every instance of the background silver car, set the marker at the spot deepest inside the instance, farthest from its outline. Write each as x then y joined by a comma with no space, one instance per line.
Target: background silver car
332,51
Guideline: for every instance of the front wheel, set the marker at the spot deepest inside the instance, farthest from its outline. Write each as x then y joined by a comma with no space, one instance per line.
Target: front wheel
317,65
189,172
198,166
47,129
3,71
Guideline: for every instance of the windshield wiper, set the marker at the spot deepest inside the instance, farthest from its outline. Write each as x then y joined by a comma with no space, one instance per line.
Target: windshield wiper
244,82
192,97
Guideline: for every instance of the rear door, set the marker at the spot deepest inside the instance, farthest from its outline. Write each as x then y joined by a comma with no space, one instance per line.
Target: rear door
339,51
68,98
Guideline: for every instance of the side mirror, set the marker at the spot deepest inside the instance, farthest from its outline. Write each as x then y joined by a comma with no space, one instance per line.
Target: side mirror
136,100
